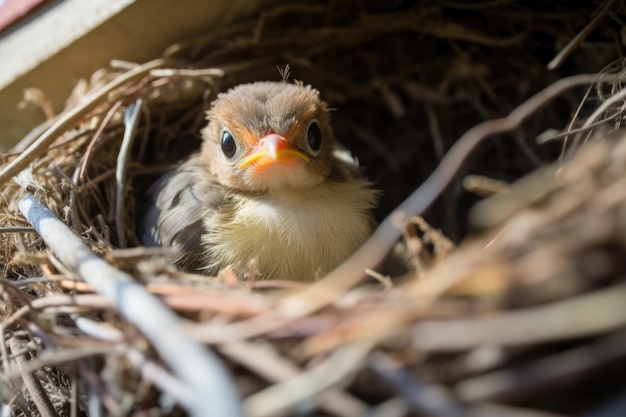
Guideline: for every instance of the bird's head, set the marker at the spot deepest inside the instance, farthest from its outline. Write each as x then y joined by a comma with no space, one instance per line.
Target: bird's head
269,136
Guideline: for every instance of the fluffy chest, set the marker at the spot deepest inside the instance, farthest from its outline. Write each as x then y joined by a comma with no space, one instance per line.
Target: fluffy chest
293,237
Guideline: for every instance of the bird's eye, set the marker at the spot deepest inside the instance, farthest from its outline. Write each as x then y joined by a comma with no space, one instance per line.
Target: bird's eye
314,137
229,146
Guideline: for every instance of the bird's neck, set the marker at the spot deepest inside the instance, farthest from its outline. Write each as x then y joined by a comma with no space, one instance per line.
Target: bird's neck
325,190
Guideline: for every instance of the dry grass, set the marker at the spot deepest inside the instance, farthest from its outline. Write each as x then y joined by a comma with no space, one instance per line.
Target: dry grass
516,311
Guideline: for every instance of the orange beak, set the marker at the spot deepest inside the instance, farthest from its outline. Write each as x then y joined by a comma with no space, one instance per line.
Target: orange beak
270,149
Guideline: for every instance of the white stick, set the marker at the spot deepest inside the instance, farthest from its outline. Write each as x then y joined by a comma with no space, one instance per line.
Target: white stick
196,366
131,120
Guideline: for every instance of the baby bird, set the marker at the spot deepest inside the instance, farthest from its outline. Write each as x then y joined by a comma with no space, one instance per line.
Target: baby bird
268,186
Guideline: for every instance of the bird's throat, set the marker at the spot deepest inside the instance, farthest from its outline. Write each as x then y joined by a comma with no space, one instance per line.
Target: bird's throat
292,235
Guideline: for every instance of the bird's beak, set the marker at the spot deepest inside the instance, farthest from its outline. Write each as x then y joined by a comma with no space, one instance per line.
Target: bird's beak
272,148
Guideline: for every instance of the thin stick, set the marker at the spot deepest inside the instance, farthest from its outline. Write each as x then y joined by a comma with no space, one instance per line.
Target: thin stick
80,173
542,138
74,394
213,391
98,395
62,356
160,377
558,60
424,398
581,316
4,353
131,120
284,396
544,372
59,300
25,229
269,364
32,384
187,73
435,130
615,98
40,146
148,369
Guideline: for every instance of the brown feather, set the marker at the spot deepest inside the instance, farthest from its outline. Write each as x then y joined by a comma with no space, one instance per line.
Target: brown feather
296,223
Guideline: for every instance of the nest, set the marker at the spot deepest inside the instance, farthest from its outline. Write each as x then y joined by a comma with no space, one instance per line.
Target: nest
507,305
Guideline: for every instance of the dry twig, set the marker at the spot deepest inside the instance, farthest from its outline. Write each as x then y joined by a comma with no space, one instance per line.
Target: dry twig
213,392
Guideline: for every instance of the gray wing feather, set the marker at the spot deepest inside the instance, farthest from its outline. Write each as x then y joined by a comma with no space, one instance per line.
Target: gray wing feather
180,202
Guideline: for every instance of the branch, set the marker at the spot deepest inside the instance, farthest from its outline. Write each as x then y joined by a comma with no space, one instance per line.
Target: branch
213,390
586,315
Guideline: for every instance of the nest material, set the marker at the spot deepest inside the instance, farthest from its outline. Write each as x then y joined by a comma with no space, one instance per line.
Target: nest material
523,316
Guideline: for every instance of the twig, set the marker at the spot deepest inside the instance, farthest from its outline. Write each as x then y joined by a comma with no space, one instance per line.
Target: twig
524,192
136,254
32,384
149,370
484,186
17,230
423,398
591,120
74,394
188,73
40,146
29,138
558,60
131,121
574,117
66,355
214,392
428,399
582,316
617,97
58,300
276,368
161,378
8,286
548,136
98,395
99,330
7,382
519,380
177,297
79,174
384,280
3,352
284,396
394,407
435,130
147,116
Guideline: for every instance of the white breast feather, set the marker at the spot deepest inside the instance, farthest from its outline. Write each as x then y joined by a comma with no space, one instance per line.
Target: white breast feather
293,236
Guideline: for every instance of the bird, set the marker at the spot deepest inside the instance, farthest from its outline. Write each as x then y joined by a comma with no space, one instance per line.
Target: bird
269,190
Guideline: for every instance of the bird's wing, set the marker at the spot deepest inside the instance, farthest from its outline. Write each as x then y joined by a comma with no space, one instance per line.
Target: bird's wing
179,202
345,165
